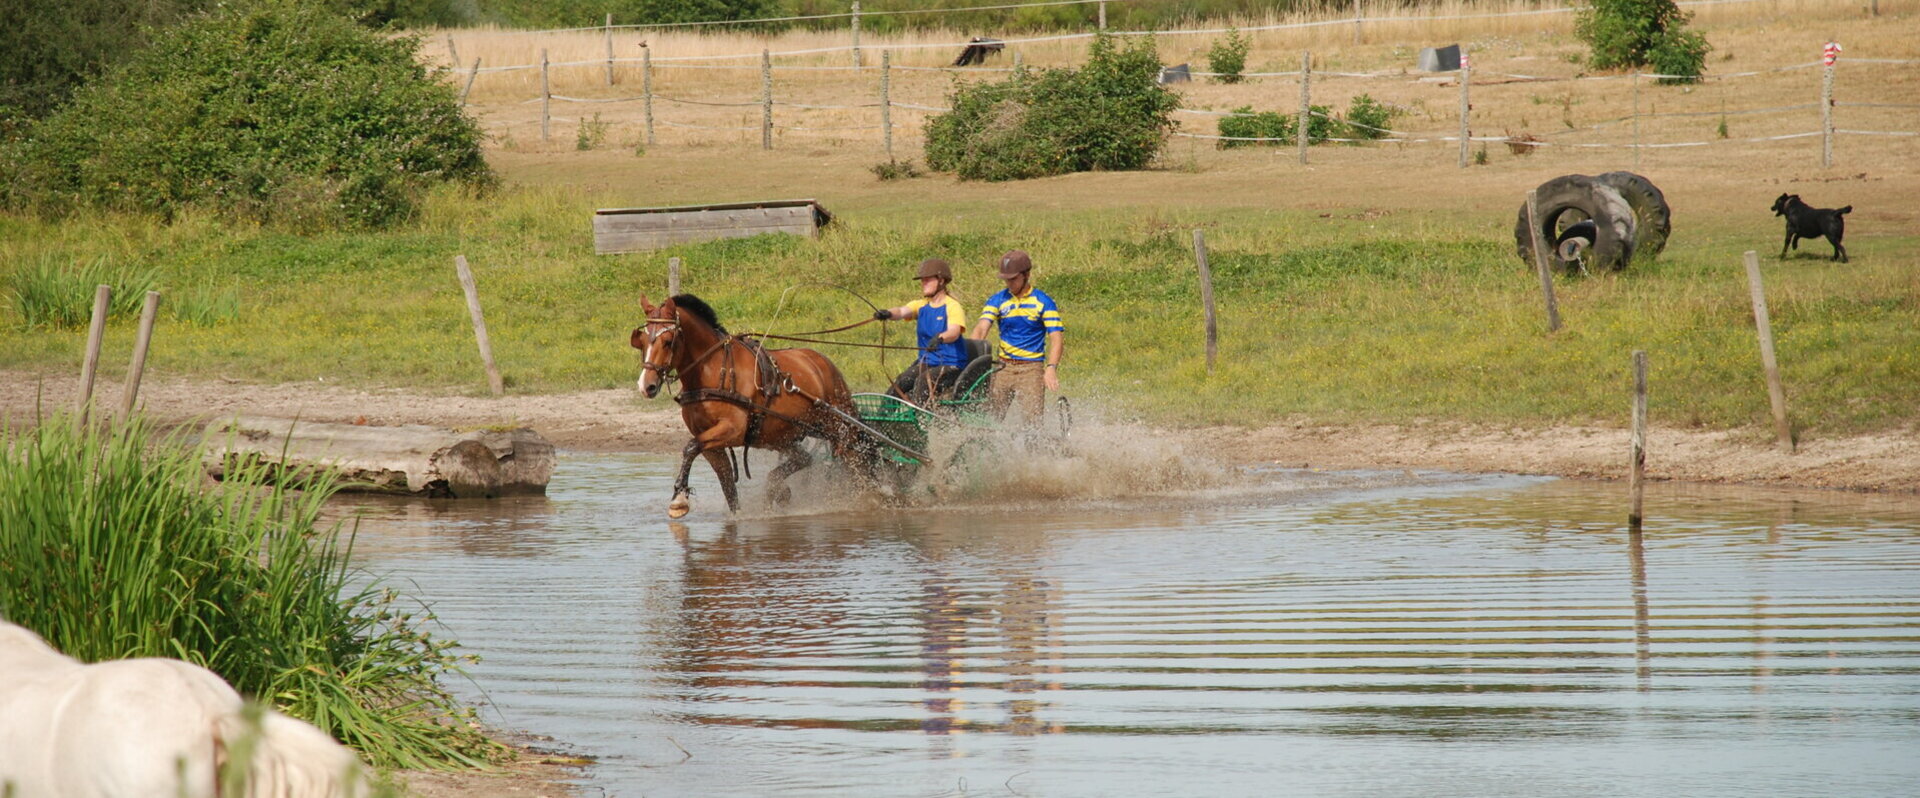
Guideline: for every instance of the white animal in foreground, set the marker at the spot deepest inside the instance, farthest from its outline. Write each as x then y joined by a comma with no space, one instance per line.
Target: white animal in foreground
148,728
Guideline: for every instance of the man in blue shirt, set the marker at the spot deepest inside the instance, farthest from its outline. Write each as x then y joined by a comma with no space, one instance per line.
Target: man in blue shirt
1031,332
939,323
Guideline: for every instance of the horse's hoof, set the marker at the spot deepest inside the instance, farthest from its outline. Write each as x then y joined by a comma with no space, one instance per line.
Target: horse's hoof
679,507
782,496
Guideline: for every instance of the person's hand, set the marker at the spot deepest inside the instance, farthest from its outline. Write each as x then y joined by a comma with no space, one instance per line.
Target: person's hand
934,345
1052,376
882,314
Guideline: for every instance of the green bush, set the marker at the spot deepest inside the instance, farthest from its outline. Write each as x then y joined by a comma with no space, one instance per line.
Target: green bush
1110,114
1227,58
1246,124
1626,34
1367,118
268,111
51,293
113,546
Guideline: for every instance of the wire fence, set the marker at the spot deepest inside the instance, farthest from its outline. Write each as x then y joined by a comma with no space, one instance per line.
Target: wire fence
892,92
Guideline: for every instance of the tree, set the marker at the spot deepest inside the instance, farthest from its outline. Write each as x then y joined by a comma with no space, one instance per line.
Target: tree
1626,34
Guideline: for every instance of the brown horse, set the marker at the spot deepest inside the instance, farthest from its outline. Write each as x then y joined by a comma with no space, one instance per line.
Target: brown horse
734,392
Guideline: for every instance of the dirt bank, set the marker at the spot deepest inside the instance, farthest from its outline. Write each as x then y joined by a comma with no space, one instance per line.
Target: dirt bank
619,420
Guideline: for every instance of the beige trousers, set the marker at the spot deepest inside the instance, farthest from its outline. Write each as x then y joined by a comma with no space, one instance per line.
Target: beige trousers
1020,390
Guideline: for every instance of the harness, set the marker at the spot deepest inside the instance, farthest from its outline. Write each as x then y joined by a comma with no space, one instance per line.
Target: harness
769,382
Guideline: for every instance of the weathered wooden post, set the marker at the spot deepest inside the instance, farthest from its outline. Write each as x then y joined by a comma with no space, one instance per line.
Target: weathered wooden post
138,367
673,277
546,97
471,74
453,53
1637,476
646,87
886,99
856,35
1016,60
1206,294
467,285
1466,106
1829,54
1303,123
1540,261
766,100
608,30
1103,14
102,297
1776,394
1356,21
1636,119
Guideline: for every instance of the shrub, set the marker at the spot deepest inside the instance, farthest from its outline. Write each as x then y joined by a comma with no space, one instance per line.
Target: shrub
1368,118
112,546
1624,34
1246,124
1110,114
894,170
1227,58
55,46
591,134
50,293
270,111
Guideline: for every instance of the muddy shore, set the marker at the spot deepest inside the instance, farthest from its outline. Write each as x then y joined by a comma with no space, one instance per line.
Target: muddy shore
619,420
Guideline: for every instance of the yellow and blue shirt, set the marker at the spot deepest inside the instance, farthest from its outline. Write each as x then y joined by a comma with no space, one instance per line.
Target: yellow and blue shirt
934,318
1024,323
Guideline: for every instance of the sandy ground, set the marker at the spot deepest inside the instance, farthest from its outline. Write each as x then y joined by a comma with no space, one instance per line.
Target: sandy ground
618,420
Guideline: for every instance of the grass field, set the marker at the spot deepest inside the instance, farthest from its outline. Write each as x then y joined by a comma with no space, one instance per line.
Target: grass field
1377,283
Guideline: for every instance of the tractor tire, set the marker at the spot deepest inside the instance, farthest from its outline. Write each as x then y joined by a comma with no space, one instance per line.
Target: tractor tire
1653,219
1569,199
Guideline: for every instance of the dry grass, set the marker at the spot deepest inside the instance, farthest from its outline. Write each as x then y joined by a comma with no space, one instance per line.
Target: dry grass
1746,37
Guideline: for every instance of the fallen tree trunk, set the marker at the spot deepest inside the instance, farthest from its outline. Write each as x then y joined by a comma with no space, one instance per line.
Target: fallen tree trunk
417,460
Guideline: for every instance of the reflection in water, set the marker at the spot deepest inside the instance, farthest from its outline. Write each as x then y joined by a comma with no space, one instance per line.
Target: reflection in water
1436,637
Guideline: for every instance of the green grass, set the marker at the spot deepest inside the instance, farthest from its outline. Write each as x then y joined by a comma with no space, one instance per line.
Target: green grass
1428,318
111,546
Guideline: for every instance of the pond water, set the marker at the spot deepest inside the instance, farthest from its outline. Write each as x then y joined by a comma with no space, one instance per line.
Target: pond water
1298,633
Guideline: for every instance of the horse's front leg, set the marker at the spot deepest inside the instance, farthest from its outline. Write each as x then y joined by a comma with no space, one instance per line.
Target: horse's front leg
723,469
682,495
792,459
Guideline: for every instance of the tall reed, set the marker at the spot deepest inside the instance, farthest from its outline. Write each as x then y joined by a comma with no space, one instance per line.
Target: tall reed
112,544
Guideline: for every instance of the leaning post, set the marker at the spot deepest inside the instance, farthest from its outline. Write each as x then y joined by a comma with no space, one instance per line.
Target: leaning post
1776,393
471,74
494,380
1540,261
138,368
1206,294
96,332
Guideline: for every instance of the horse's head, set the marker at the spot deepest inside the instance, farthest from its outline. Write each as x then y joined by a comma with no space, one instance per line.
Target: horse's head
658,340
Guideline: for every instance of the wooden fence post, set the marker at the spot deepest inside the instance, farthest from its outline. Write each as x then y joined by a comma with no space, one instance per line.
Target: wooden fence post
546,97
673,277
453,53
1304,122
471,74
856,35
1356,21
138,367
646,87
886,99
1826,114
1540,261
1466,106
1016,60
766,100
1637,476
1776,394
608,29
1206,294
1636,119
467,285
1103,14
102,297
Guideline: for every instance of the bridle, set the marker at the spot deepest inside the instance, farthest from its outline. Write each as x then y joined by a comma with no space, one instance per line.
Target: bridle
666,372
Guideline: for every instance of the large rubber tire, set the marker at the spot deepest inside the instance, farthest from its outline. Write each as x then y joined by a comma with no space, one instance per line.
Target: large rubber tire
1653,219
1568,199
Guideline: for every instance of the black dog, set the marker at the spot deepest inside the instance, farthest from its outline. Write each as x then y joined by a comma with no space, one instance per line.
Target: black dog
1804,221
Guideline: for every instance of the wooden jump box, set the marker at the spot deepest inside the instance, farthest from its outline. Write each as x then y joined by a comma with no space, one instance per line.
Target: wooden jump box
641,229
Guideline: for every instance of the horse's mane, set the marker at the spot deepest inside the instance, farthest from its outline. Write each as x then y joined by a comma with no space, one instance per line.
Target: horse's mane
700,310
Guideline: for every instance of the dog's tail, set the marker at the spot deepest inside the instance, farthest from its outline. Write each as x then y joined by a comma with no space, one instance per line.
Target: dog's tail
1844,211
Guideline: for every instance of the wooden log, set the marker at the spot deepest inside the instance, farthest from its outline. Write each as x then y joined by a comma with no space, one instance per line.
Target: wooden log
1763,326
412,459
89,367
1637,479
494,380
138,368
1206,294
